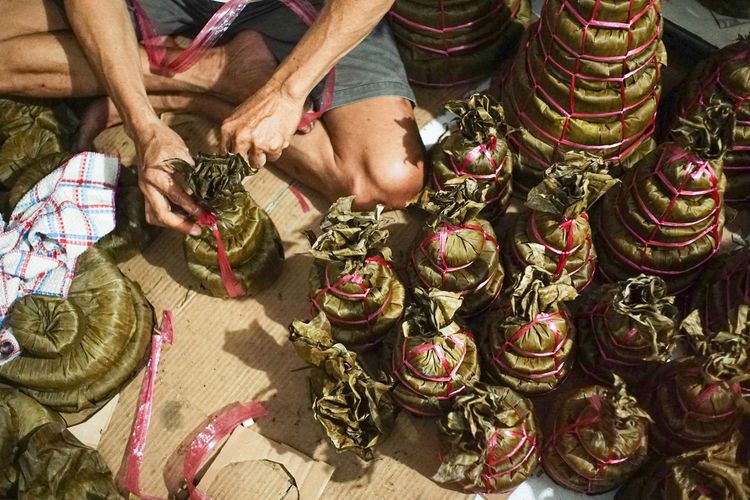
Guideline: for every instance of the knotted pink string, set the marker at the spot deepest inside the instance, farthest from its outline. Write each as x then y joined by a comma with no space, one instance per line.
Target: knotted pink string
220,426
219,23
231,285
492,461
128,477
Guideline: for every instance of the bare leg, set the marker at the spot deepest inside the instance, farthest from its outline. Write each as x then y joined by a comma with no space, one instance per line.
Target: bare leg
41,58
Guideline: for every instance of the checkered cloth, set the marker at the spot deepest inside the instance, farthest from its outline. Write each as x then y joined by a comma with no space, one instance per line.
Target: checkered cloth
54,223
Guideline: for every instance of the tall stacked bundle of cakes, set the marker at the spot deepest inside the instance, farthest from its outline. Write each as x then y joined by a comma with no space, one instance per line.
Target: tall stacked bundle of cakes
446,42
588,79
725,77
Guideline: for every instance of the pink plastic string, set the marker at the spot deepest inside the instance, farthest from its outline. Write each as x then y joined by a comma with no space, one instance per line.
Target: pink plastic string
231,285
220,426
128,477
693,169
510,344
492,461
303,205
363,296
567,226
160,61
441,236
627,143
443,30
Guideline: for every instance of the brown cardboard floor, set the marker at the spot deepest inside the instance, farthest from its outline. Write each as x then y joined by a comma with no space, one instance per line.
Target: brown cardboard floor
227,351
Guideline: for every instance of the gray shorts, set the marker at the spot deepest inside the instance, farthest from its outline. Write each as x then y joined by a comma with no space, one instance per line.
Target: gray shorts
372,69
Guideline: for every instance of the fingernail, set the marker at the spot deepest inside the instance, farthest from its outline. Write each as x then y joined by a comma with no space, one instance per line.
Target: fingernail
195,231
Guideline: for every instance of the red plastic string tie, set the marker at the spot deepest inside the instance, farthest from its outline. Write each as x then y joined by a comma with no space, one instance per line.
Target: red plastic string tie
128,477
220,426
231,285
303,205
160,62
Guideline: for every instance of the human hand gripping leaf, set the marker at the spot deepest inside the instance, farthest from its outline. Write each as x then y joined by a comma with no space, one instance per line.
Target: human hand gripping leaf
355,410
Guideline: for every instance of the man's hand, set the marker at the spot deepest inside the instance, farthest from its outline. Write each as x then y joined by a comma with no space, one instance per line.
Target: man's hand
159,181
262,127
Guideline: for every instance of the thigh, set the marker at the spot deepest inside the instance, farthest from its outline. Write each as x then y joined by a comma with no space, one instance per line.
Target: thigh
31,16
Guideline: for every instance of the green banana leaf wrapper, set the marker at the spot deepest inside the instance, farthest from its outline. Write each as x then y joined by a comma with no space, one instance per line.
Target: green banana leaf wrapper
599,439
30,130
250,238
492,440
475,147
434,358
20,415
705,474
131,233
556,226
458,249
629,330
80,351
578,88
54,465
731,8
698,400
449,42
723,286
528,343
725,76
667,216
352,280
355,410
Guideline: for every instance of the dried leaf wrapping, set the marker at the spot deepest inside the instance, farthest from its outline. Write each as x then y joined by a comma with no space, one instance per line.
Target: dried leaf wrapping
707,387
20,415
629,330
475,147
434,358
251,241
54,465
587,79
352,280
460,41
667,217
707,473
528,342
598,441
492,440
30,131
458,251
557,225
355,410
725,76
723,286
81,350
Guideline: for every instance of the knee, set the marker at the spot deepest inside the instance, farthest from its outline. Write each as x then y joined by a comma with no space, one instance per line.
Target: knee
392,184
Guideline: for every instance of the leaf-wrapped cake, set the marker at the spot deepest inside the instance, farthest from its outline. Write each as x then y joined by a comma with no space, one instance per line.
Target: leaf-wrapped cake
29,131
557,224
448,42
250,256
475,147
352,281
458,250
81,350
629,330
725,77
667,216
20,415
492,440
599,439
54,465
697,401
355,410
588,79
708,473
528,343
434,358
